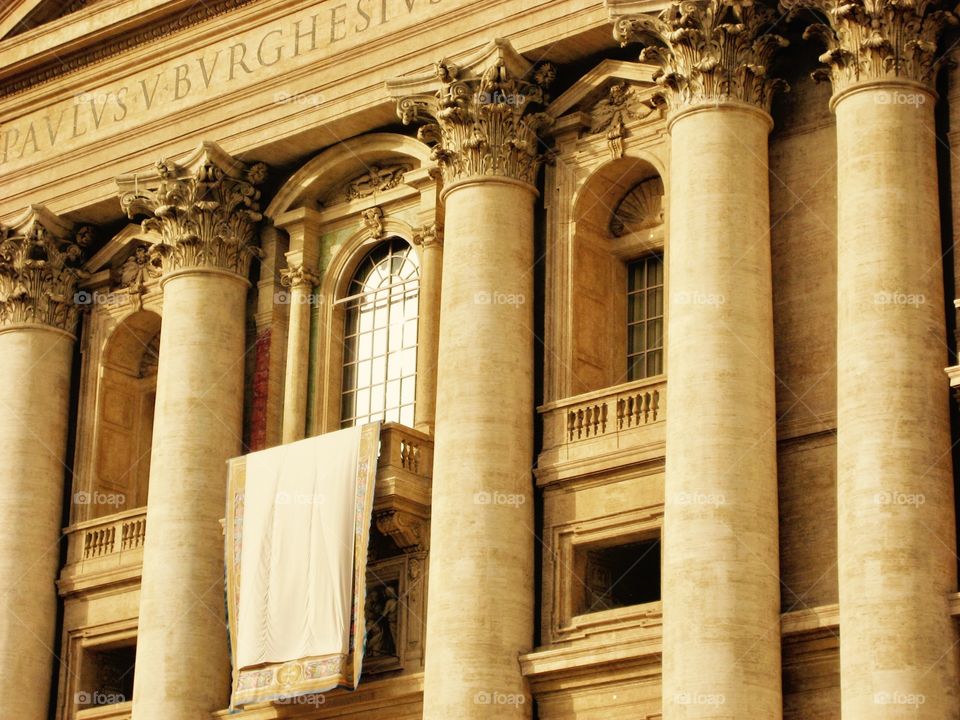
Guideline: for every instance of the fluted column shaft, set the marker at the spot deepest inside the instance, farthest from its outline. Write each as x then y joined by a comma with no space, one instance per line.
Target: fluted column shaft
431,262
896,539
720,587
481,594
206,212
37,320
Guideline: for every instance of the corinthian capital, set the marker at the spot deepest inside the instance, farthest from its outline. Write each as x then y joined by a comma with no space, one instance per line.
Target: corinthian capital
206,209
870,40
480,113
709,51
40,257
428,236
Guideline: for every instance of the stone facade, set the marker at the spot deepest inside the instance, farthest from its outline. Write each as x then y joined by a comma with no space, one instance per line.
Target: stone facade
736,501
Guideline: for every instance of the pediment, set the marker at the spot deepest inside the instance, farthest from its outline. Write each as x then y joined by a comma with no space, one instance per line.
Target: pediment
610,85
117,249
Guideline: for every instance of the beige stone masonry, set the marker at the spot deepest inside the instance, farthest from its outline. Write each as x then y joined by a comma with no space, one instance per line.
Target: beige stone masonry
481,591
896,535
721,598
39,267
206,210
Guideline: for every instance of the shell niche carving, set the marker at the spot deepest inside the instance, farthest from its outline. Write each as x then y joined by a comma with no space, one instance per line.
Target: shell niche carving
640,208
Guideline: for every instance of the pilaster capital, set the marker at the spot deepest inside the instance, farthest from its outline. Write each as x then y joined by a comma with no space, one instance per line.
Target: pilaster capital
428,236
481,118
297,275
206,209
40,264
710,52
874,40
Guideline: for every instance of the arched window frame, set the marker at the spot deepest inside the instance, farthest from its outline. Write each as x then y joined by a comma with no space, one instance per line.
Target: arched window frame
380,325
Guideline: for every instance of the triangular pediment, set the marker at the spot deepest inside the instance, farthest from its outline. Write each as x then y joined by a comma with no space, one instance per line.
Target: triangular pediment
118,248
594,86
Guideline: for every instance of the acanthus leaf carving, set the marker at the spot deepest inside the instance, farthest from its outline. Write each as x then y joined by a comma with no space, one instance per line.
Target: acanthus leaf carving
298,276
428,235
871,40
40,265
206,210
482,119
709,51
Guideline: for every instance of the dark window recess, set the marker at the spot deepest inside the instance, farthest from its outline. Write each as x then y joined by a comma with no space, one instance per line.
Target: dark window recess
106,676
618,575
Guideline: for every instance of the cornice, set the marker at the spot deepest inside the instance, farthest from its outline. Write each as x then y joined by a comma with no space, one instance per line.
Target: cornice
21,73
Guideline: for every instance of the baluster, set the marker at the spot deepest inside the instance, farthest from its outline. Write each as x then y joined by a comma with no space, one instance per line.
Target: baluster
603,418
571,424
621,406
656,403
646,407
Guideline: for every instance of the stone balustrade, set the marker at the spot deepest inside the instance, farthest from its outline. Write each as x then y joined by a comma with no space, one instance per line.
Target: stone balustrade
599,425
104,550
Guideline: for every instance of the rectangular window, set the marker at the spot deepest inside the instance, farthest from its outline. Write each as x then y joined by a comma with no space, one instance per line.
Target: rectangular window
645,317
615,576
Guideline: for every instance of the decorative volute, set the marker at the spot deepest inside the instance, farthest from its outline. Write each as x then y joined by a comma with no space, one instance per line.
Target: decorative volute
205,209
710,52
40,259
480,113
871,40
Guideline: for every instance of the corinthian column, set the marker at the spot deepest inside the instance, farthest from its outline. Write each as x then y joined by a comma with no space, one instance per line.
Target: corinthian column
721,591
896,538
39,268
206,211
480,601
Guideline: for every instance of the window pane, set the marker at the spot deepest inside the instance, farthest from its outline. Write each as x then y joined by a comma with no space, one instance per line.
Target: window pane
645,317
381,383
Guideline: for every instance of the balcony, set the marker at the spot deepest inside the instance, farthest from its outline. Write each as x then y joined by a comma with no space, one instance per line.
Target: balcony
603,430
104,550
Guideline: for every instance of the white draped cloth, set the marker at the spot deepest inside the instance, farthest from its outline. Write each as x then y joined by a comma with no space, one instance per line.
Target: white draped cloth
297,533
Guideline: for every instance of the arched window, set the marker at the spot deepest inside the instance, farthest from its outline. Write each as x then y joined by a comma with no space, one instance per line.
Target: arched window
380,337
